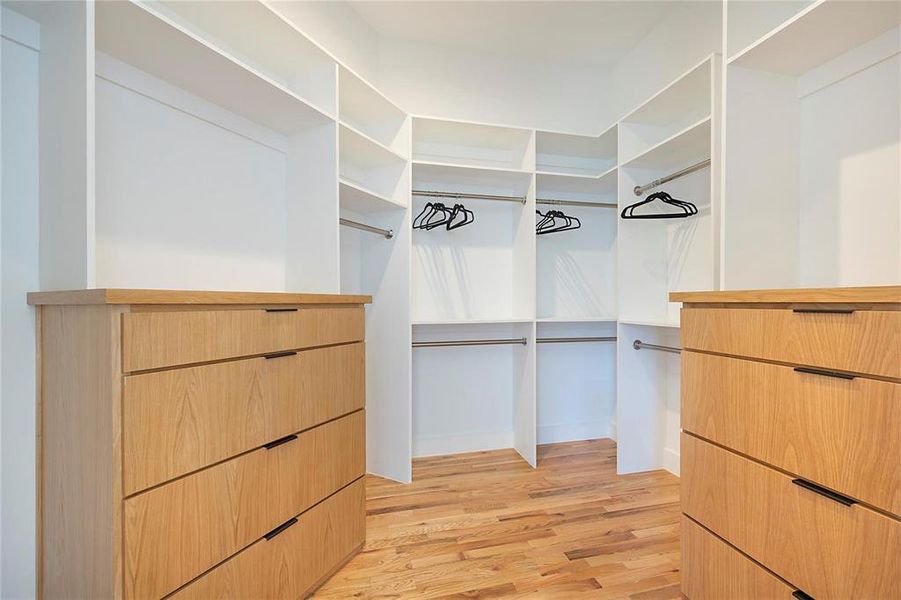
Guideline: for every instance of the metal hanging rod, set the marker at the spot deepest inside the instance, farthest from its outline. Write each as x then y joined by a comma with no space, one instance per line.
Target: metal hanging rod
574,340
639,345
464,195
641,189
576,203
388,233
444,344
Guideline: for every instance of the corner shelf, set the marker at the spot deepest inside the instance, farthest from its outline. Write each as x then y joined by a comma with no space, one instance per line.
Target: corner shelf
365,150
577,185
649,323
356,198
688,145
153,43
818,34
368,111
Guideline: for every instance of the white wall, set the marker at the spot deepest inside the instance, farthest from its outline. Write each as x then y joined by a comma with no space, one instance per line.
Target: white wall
850,185
683,39
433,80
19,264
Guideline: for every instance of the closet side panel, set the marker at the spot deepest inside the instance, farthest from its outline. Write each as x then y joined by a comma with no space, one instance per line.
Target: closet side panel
850,225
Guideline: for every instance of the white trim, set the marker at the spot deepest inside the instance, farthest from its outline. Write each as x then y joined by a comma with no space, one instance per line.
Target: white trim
571,432
671,461
464,442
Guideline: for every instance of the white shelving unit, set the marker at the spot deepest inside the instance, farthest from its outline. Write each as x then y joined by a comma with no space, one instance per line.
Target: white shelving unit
196,145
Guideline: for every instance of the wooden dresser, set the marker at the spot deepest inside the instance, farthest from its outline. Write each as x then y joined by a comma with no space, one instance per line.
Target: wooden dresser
198,444
791,443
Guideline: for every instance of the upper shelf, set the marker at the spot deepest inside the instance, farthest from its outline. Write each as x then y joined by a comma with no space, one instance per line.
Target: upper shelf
472,144
685,97
571,187
371,112
684,148
817,34
456,178
575,154
153,43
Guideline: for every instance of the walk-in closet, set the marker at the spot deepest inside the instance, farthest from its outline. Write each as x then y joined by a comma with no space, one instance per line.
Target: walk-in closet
450,299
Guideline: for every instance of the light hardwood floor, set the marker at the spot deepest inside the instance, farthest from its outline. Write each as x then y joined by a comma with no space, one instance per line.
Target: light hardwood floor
486,525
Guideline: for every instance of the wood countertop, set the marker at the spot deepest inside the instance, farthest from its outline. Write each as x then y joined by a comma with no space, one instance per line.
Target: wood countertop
848,295
170,297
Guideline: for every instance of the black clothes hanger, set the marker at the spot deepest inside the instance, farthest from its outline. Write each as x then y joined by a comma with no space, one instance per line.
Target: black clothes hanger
427,210
549,222
686,209
459,209
436,214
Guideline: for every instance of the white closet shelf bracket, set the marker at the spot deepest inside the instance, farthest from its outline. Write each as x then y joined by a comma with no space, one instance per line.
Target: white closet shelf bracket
639,345
464,195
575,340
498,342
388,233
641,189
556,202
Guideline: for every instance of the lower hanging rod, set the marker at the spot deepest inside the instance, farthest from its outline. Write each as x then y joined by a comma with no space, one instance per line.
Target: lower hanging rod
464,195
641,189
639,345
576,203
574,340
388,233
444,344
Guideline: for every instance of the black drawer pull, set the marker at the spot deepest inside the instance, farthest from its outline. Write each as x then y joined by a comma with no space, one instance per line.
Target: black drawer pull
280,528
824,311
281,310
280,354
801,595
824,373
280,441
816,489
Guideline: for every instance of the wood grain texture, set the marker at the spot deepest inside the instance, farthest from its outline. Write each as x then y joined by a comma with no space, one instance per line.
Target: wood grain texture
713,570
152,340
843,434
292,563
822,547
80,465
163,297
487,525
848,295
180,420
861,342
175,532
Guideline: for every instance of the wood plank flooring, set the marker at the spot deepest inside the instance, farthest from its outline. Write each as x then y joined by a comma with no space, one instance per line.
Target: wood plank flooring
486,525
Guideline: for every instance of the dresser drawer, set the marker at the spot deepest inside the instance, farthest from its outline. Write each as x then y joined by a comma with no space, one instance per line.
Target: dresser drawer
296,560
827,549
178,530
843,434
180,420
864,341
151,340
713,570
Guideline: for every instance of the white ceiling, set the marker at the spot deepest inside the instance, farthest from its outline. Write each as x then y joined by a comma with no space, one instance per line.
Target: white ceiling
596,33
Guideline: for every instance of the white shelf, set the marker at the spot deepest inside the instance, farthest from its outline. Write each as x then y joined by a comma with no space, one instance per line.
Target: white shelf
563,153
365,151
648,323
690,145
817,34
684,96
576,186
462,178
472,144
370,112
357,198
153,43
598,319
498,321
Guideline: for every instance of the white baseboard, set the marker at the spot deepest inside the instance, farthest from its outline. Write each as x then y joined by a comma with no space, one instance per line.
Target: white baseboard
467,442
613,430
571,432
671,461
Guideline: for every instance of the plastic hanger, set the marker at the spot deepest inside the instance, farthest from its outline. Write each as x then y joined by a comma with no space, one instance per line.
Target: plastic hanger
686,209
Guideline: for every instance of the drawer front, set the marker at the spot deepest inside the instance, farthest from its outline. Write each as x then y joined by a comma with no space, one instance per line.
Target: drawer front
713,570
843,434
866,341
180,420
178,530
295,561
827,549
152,340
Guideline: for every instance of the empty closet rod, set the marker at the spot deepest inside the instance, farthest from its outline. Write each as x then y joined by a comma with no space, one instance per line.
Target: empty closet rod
641,189
446,343
463,195
574,340
388,233
639,345
576,203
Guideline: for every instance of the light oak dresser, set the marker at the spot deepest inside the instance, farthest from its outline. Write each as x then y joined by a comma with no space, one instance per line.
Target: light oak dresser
198,444
791,443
